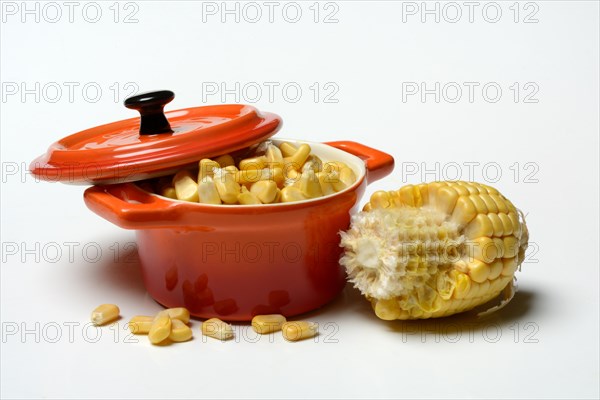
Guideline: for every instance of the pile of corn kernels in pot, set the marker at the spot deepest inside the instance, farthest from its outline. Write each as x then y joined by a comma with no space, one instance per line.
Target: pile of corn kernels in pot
264,174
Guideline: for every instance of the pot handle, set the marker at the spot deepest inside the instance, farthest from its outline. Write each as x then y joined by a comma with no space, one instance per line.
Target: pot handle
379,164
128,206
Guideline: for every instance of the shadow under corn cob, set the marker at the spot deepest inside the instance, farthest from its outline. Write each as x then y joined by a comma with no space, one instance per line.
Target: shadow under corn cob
434,249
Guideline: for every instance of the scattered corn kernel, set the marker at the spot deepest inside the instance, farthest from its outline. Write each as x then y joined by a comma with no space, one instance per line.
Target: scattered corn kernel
264,324
160,329
180,332
298,330
140,324
180,313
105,313
215,328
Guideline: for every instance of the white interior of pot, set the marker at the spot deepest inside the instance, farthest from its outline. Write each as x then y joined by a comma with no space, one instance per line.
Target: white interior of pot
325,153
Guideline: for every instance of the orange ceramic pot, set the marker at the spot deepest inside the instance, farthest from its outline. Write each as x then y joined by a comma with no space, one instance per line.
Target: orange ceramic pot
236,261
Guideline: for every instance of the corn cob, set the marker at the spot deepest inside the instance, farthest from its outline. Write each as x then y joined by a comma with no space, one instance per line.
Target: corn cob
434,249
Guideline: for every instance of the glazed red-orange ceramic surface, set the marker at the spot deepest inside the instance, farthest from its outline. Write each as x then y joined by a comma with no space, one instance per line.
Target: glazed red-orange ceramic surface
118,153
234,262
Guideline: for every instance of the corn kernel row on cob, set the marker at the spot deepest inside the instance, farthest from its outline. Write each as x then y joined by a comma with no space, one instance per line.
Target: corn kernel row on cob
434,249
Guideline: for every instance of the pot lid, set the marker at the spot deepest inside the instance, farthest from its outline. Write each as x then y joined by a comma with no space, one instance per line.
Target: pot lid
154,145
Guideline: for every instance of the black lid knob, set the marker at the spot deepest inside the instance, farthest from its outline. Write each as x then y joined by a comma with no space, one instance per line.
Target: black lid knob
151,107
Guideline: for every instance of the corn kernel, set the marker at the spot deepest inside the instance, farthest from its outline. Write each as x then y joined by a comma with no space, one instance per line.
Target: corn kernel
310,185
274,156
105,313
326,186
298,330
160,329
186,187
264,324
227,187
276,175
479,204
215,328
253,163
511,246
247,198
226,160
169,191
291,193
387,309
489,203
500,203
464,211
462,285
380,199
140,324
299,158
180,313
410,195
335,165
331,166
266,191
277,196
496,269
479,271
250,176
206,167
287,149
343,179
480,226
446,199
507,228
483,248
316,164
509,266
180,332
207,191
499,244
292,177
516,224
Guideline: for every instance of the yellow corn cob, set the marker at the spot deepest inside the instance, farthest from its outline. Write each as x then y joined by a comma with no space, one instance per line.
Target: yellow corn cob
433,250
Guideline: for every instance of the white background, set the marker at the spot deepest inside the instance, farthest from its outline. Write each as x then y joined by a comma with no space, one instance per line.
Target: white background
544,344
